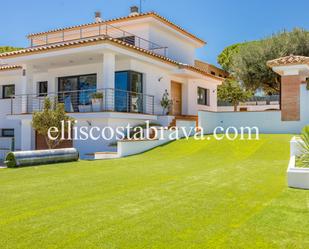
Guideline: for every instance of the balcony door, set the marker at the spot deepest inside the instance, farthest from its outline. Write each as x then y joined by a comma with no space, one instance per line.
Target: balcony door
76,90
129,91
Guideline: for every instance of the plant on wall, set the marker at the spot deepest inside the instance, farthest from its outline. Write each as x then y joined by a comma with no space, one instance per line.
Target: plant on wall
51,117
166,103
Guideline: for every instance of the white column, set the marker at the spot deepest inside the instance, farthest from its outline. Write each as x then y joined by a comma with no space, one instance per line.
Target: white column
108,70
24,88
108,80
52,83
26,134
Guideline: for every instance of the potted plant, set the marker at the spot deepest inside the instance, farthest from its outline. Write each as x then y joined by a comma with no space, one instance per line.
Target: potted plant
97,101
166,103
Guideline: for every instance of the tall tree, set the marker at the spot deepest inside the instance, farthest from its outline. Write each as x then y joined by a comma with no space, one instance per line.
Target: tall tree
247,62
231,91
226,56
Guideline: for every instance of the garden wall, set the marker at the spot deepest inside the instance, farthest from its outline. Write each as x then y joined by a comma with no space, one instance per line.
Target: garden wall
266,121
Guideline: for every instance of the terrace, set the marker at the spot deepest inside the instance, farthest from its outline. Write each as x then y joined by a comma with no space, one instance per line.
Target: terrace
99,30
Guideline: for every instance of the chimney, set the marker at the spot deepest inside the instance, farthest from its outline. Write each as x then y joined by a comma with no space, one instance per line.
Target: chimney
97,16
134,11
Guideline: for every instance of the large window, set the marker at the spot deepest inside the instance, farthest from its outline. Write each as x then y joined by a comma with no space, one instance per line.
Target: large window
8,91
129,91
7,132
42,87
202,96
76,90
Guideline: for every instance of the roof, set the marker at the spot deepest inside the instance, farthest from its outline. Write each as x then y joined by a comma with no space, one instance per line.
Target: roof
9,67
207,67
127,18
98,40
288,60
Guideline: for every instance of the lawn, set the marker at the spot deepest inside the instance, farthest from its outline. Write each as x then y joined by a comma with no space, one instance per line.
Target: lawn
187,194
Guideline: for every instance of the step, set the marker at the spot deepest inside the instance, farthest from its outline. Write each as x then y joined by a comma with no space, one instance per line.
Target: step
105,155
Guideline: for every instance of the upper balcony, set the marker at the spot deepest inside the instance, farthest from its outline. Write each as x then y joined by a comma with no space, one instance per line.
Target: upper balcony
99,30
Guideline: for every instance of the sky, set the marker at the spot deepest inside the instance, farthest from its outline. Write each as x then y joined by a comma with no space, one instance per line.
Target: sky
220,23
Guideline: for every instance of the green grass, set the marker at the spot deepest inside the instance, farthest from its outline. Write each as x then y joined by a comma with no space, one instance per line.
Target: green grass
187,194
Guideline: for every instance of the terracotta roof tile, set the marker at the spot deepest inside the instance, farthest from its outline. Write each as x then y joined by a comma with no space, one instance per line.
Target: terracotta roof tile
102,39
288,60
9,67
125,18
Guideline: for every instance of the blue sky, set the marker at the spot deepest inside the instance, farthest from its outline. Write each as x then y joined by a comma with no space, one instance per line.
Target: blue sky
220,22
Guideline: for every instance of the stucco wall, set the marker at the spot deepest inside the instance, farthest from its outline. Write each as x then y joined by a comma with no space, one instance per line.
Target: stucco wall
91,146
8,78
178,48
267,122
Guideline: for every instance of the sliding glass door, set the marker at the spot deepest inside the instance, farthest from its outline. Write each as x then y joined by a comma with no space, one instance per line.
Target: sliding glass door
76,90
129,91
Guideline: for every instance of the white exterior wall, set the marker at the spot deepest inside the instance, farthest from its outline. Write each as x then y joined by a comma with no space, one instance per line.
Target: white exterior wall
267,122
193,107
53,74
139,29
179,49
10,78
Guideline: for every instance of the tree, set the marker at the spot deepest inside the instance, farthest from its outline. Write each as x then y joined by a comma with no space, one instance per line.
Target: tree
231,91
226,56
247,61
51,117
5,49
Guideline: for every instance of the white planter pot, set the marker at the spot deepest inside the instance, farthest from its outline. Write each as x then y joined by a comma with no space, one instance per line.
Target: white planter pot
84,108
297,177
97,105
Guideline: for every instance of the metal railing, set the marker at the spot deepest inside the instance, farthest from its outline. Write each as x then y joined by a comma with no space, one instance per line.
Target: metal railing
256,100
105,30
82,101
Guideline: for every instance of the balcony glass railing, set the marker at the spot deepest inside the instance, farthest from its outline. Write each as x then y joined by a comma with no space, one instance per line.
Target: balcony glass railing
91,100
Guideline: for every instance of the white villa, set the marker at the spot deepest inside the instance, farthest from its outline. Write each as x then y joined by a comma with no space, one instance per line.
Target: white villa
131,60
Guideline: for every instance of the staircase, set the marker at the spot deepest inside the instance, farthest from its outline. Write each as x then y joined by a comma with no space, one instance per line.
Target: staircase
132,147
183,117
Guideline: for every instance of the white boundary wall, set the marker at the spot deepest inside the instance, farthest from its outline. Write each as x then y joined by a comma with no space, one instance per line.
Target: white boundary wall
267,122
297,177
250,108
128,148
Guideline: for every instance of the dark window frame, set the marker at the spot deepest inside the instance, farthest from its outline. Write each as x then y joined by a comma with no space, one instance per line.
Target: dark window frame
3,91
203,101
129,79
4,130
128,39
129,90
40,93
78,79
